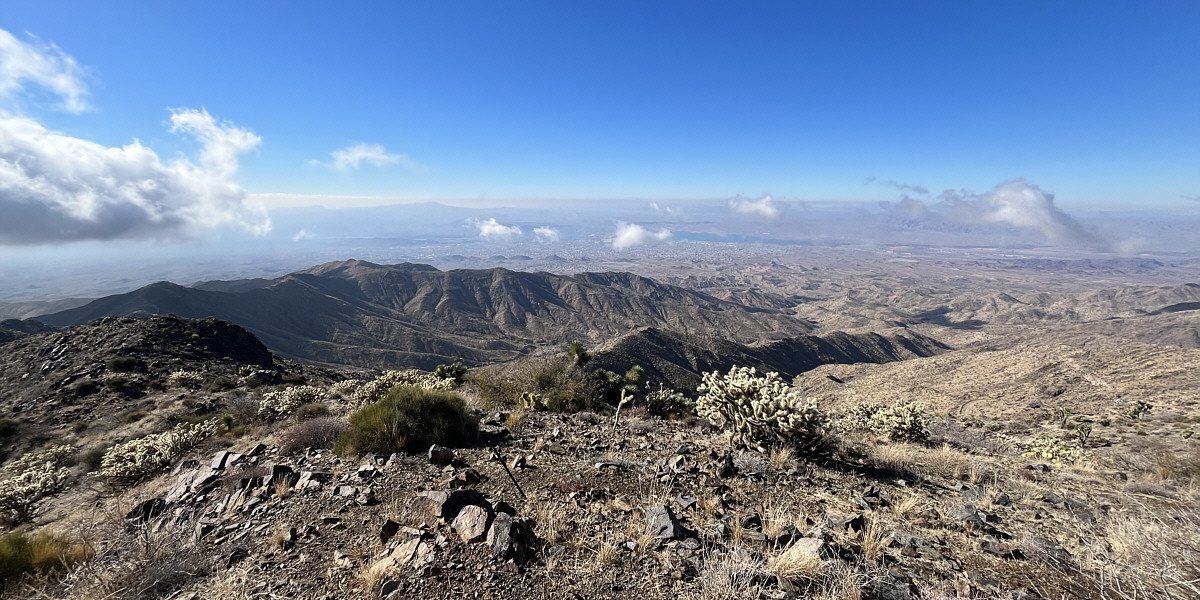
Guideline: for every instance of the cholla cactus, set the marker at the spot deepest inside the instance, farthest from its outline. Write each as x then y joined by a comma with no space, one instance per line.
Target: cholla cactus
858,417
374,390
186,379
760,412
901,422
282,403
146,455
666,402
31,478
345,388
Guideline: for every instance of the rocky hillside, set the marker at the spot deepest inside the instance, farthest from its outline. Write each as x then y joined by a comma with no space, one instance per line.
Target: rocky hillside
368,315
678,360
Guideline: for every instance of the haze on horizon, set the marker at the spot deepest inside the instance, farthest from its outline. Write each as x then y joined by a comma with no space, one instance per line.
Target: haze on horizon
170,132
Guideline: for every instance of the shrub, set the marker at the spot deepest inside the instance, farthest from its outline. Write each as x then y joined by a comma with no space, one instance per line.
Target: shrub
123,364
9,427
244,410
190,380
454,371
376,389
281,403
32,477
345,388
411,419
760,412
310,411
134,415
668,403
146,455
539,383
320,432
20,553
858,417
220,383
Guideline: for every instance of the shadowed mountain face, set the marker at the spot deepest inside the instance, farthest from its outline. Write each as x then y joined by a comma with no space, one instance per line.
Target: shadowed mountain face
370,315
677,360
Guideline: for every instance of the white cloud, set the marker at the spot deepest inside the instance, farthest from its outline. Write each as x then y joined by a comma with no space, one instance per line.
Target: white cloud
763,207
630,234
666,211
1026,206
43,65
352,157
302,235
547,234
56,188
492,229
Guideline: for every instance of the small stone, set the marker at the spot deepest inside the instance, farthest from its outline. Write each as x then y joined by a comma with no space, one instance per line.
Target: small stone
388,530
368,472
440,455
447,503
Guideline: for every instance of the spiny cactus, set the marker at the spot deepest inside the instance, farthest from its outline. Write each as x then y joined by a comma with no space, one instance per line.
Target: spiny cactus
146,455
282,403
32,477
902,422
666,402
186,379
761,412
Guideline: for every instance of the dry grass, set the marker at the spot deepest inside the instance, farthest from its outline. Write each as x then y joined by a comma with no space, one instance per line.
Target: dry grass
372,575
782,458
794,563
514,419
946,461
908,505
874,540
899,458
551,522
283,487
607,555
730,576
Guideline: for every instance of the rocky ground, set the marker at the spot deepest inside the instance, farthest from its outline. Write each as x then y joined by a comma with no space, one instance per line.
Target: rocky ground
595,506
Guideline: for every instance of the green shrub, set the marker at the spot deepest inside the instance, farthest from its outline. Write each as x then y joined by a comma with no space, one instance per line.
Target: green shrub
539,383
374,390
220,383
455,372
762,412
410,419
668,403
45,552
124,364
134,416
9,427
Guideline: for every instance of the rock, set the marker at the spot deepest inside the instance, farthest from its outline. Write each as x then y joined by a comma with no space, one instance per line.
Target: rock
224,459
465,478
311,480
368,472
257,450
471,523
726,468
343,559
388,530
514,538
517,463
808,546
848,522
192,483
388,586
663,524
447,503
686,502
366,497
1003,549
889,587
440,455
282,474
146,510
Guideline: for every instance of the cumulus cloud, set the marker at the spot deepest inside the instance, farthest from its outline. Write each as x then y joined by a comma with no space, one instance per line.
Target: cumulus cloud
666,211
302,235
763,207
353,157
493,230
24,63
56,188
546,234
1025,206
630,234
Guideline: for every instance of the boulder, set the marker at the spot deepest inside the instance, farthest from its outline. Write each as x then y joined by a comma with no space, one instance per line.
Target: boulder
446,504
663,525
471,524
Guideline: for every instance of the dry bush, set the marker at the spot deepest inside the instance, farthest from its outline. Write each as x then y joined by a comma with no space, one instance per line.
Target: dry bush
792,563
43,553
734,575
895,457
558,384
319,433
243,409
1154,555
945,461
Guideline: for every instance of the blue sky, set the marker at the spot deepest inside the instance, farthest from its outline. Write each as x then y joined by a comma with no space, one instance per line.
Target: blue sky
502,102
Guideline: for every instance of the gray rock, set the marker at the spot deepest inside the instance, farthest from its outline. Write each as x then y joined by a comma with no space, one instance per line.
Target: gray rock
447,503
440,455
663,524
471,524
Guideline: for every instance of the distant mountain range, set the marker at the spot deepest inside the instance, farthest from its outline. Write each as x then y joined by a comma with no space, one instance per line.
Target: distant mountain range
677,359
410,315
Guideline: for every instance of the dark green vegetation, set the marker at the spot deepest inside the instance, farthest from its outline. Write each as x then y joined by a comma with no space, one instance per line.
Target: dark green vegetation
409,419
21,553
